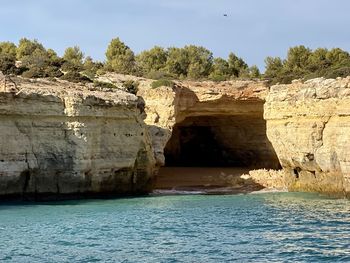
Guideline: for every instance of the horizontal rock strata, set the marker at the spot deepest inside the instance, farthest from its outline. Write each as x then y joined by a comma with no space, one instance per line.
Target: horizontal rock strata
233,110
59,139
308,125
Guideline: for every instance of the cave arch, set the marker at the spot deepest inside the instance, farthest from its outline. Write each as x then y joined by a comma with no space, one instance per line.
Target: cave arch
221,141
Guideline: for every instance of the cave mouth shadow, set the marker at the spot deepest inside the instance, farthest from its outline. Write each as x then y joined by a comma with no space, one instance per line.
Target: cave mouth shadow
221,141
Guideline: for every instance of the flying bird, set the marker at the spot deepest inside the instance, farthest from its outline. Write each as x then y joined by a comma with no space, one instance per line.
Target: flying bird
225,14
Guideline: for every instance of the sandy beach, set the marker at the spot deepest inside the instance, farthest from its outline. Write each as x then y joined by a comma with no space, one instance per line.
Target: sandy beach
203,179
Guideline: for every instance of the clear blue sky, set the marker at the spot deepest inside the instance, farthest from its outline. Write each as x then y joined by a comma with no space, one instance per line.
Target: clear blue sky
253,29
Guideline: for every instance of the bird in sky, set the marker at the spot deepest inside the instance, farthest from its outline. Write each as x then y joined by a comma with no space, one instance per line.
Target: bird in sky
225,14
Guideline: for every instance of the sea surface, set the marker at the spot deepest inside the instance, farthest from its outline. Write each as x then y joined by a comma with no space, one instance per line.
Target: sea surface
269,227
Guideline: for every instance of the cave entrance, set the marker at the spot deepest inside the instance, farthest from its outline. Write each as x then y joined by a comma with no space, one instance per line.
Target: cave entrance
220,141
215,145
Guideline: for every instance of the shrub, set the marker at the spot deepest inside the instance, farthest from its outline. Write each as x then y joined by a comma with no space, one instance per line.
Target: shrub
104,85
74,55
338,72
162,82
27,47
53,72
254,72
41,63
120,57
91,67
34,72
74,76
131,86
156,75
217,78
8,48
237,65
220,70
152,60
8,64
68,66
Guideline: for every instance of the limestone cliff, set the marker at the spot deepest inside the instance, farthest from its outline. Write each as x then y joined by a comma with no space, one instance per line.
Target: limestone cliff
61,139
308,125
229,113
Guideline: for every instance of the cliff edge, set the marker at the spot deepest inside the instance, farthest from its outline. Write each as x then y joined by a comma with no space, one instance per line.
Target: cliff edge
60,139
308,125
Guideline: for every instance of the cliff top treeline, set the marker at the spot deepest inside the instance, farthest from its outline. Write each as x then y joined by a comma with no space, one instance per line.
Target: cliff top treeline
32,60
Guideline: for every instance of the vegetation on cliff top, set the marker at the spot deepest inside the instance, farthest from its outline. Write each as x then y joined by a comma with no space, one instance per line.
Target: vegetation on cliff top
31,59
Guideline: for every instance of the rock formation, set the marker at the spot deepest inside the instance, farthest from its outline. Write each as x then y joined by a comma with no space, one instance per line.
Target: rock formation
308,125
208,123
63,139
60,139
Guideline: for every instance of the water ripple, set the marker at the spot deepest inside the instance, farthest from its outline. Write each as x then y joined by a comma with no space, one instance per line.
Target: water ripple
271,227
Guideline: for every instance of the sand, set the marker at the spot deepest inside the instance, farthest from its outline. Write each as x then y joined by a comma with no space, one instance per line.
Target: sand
202,179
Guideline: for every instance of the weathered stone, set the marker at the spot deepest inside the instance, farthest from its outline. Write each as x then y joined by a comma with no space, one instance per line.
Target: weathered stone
231,113
311,134
61,140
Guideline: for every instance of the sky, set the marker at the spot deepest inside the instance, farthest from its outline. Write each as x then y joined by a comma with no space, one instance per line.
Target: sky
252,29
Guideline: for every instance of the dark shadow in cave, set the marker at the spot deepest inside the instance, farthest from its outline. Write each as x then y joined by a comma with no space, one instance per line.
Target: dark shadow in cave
221,141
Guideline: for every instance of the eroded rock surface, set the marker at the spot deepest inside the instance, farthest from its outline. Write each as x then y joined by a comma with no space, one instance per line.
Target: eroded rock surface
230,113
61,139
308,125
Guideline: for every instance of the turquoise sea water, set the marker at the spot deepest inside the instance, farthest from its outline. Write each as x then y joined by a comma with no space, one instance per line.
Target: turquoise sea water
271,227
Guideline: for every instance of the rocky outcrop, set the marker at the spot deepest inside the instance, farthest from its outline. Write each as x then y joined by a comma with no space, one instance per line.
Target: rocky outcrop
59,139
230,112
308,125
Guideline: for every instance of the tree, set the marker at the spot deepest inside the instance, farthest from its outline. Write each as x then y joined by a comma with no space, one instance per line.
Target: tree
338,57
40,65
27,47
8,48
200,61
38,62
297,60
152,60
254,72
220,70
273,67
7,64
74,55
318,60
178,62
191,61
120,58
91,67
236,65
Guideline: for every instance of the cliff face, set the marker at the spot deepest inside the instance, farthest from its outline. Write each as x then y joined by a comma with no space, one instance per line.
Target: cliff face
308,125
209,124
58,139
61,139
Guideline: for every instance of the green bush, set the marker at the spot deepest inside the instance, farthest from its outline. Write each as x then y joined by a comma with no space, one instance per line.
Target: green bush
68,66
74,76
104,85
156,75
152,60
162,82
27,47
8,48
34,72
91,68
338,72
304,63
217,78
74,55
120,58
7,64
